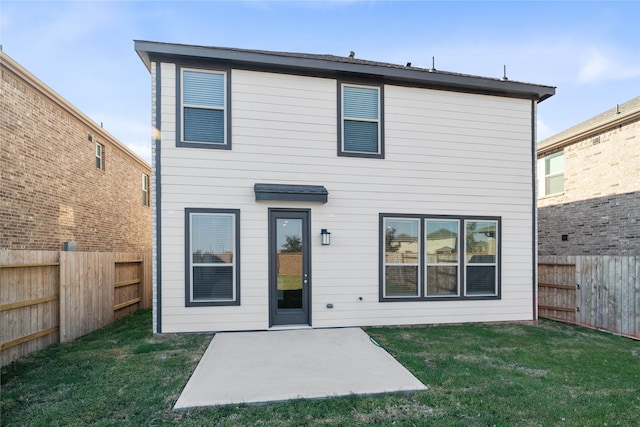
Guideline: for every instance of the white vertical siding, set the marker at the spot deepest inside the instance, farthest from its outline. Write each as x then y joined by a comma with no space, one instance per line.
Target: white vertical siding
446,153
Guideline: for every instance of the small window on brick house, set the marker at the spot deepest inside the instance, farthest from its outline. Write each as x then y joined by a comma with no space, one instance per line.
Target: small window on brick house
551,174
145,190
99,156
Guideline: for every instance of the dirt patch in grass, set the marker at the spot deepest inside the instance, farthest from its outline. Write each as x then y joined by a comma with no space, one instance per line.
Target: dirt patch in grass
387,414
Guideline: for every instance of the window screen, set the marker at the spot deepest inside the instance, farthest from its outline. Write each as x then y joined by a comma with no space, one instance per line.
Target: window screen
360,122
203,104
481,257
212,256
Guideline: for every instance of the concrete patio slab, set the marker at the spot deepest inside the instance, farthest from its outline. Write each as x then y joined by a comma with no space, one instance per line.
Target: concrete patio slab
272,366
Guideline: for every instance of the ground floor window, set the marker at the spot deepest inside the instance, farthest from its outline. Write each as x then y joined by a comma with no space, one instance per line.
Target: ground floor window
212,252
439,257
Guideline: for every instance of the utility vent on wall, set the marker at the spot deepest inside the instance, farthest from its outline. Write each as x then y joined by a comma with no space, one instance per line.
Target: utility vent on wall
595,140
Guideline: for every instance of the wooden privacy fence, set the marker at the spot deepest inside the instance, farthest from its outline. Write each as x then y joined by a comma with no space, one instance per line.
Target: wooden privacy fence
48,296
557,290
601,292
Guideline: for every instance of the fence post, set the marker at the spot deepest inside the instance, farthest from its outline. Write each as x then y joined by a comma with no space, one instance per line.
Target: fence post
63,294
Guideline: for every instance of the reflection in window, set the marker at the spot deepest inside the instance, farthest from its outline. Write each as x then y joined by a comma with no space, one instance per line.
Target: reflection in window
442,257
213,256
480,257
289,265
401,257
427,257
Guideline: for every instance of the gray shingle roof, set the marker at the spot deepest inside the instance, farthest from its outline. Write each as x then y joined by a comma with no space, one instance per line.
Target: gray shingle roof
605,119
333,65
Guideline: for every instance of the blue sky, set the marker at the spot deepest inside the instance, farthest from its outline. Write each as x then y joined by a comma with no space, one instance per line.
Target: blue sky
84,50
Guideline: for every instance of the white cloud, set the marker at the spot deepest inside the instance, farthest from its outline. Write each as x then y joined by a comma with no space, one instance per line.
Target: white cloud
599,66
558,61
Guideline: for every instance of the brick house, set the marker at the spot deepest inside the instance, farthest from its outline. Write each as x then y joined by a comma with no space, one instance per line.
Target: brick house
589,186
62,177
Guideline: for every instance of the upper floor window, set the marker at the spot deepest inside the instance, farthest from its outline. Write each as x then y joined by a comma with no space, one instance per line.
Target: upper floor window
145,190
551,174
431,257
204,109
361,130
99,156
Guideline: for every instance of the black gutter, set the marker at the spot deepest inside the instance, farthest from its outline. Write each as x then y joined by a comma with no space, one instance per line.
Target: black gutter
327,65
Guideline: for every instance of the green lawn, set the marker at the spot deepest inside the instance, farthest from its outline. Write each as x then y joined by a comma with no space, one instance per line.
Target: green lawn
478,375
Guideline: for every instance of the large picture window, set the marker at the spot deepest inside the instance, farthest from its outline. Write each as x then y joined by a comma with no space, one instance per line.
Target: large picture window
212,256
360,122
204,109
429,257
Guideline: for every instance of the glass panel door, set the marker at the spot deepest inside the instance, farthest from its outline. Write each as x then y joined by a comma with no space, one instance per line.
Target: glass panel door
289,267
289,263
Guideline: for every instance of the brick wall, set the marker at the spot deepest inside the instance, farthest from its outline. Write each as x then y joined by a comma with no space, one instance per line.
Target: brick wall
599,210
601,165
50,188
607,225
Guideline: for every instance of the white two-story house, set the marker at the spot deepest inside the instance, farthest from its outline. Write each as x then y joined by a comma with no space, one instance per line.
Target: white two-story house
299,190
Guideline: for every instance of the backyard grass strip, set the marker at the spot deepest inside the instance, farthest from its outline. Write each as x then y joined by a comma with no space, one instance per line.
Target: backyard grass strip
478,375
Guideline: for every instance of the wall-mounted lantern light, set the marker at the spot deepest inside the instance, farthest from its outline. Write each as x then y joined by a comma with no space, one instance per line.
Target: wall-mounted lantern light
326,236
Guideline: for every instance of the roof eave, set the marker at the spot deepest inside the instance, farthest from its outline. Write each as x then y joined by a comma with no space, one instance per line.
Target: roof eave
549,145
147,50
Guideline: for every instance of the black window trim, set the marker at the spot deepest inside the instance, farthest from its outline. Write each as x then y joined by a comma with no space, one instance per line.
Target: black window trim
179,111
187,258
462,265
380,87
